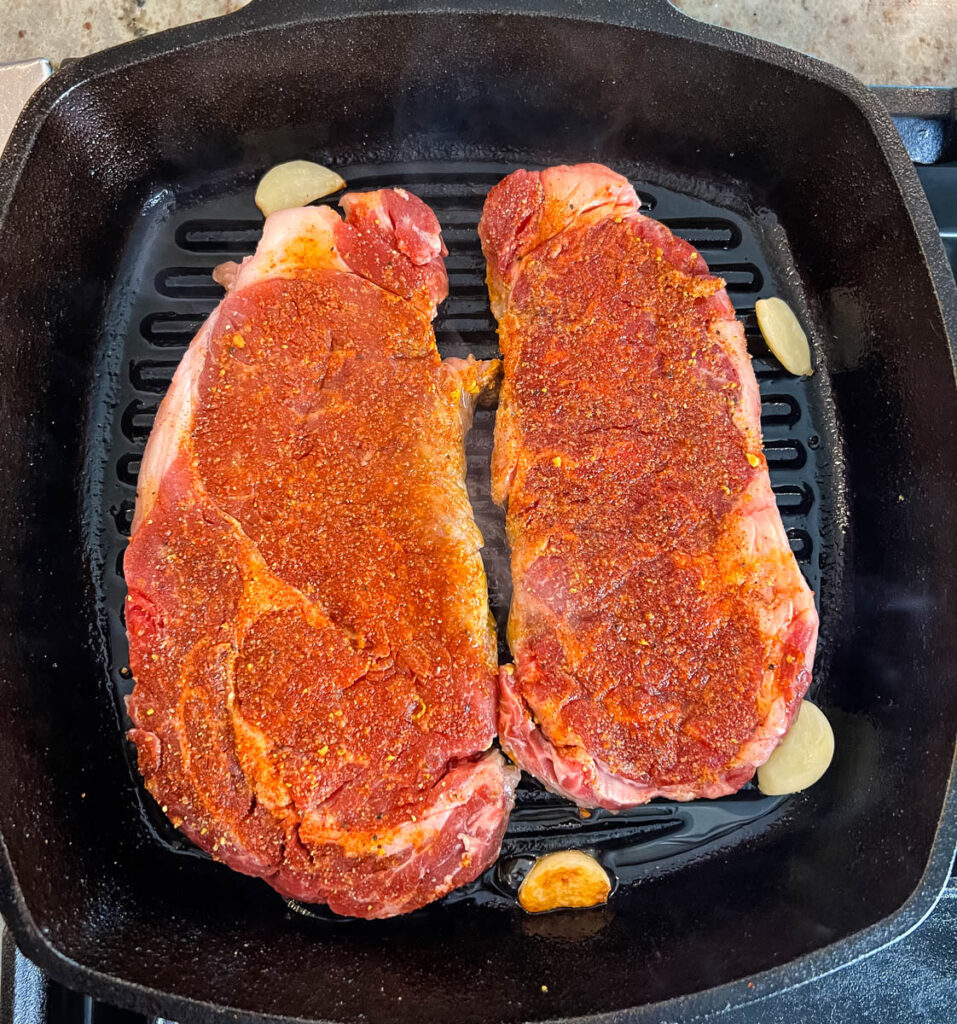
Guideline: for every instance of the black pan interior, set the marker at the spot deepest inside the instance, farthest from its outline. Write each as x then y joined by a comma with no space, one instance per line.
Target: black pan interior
131,155
166,292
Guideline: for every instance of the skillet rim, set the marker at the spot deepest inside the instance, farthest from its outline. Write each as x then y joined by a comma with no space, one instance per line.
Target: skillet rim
659,17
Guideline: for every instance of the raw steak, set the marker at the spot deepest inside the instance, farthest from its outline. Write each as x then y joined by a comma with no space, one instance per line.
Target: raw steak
661,631
307,612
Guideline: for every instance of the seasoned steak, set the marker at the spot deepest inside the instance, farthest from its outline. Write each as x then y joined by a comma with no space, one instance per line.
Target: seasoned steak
661,631
307,613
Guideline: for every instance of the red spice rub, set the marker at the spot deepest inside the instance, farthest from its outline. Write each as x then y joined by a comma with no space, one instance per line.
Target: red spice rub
662,632
307,611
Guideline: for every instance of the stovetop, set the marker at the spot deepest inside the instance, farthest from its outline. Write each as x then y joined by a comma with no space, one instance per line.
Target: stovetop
913,979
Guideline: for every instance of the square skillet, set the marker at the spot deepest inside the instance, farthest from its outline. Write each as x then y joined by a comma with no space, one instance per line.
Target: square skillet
795,151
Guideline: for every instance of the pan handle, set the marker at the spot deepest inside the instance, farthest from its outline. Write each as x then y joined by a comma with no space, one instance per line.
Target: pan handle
646,14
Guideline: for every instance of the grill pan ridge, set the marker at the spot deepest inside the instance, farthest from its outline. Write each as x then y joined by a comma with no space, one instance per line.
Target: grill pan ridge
167,293
130,175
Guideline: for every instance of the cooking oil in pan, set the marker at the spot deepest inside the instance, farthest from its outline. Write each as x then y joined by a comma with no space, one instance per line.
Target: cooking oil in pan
165,292
628,844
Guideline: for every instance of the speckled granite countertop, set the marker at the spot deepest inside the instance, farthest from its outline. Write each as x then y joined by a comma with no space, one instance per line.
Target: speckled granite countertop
900,42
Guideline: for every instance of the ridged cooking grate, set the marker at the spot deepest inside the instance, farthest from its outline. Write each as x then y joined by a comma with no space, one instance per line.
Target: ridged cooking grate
166,291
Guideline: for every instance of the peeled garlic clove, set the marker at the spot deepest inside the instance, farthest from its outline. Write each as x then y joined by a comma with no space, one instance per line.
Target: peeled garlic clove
568,878
803,755
784,335
295,183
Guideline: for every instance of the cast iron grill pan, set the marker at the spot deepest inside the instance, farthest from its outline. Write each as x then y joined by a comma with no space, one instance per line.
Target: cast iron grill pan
793,152
163,293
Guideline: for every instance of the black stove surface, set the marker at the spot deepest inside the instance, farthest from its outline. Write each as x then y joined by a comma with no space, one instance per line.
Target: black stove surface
911,980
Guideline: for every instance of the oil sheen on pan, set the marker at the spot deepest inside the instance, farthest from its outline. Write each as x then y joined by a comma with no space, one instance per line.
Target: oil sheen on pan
661,631
315,696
